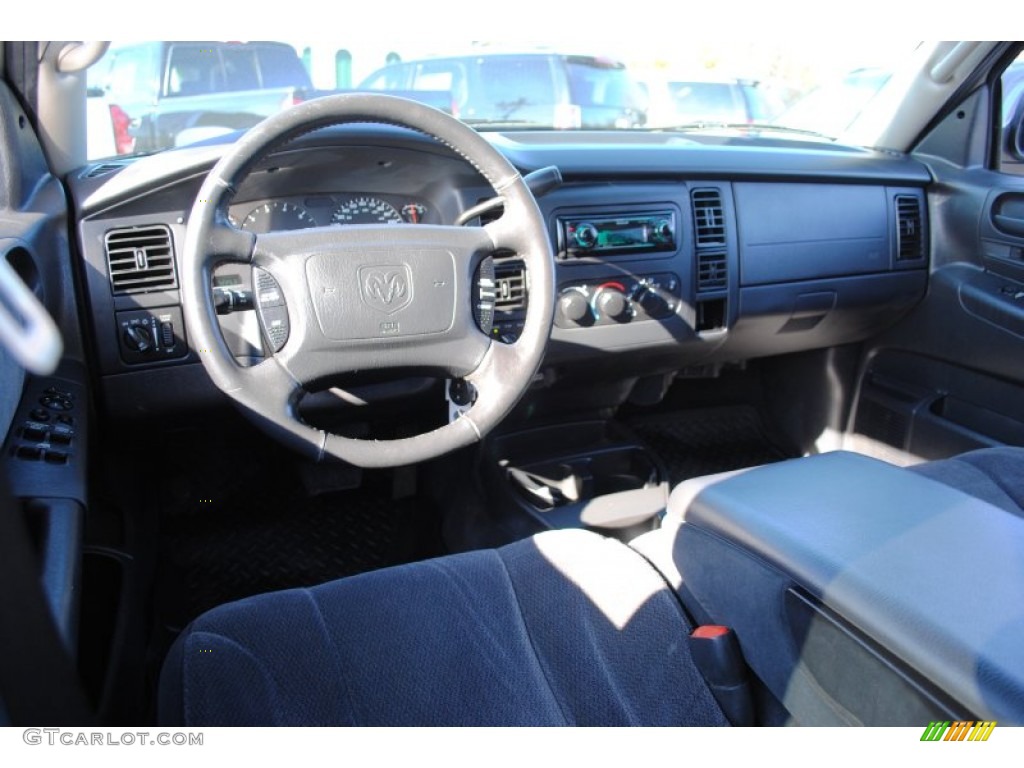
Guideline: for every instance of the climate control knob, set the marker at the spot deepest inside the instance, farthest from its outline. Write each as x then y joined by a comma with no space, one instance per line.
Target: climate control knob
613,304
654,304
573,306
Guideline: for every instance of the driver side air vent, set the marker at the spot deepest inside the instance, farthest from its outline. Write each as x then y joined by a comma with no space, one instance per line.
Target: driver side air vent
140,259
709,236
909,242
510,286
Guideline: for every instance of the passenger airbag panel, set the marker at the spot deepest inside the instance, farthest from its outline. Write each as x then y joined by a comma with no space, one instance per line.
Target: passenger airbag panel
807,231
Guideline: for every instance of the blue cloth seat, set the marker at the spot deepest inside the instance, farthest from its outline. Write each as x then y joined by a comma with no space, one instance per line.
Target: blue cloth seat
566,628
995,475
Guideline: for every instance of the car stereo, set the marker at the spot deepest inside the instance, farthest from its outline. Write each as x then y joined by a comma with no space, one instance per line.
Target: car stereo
616,234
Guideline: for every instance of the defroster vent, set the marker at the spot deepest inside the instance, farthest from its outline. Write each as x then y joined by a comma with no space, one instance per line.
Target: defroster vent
909,237
101,169
140,259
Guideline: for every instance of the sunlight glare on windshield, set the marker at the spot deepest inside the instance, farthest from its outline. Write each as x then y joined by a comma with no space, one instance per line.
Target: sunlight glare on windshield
149,96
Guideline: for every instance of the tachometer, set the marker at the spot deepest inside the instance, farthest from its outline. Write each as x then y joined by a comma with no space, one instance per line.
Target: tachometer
277,215
366,210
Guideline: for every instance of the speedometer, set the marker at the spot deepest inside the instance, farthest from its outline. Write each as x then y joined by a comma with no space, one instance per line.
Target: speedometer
277,215
366,210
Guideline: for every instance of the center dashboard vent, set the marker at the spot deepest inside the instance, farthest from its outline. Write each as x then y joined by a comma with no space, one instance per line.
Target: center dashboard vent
708,217
909,237
709,236
140,259
510,285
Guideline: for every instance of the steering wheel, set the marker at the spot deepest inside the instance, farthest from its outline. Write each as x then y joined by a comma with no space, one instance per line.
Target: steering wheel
335,300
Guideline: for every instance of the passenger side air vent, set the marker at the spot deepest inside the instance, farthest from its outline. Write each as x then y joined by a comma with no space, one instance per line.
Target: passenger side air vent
140,259
909,240
709,236
510,285
708,219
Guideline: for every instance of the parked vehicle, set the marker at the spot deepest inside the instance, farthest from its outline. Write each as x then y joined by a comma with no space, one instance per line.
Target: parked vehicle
168,94
830,108
729,102
107,127
525,89
177,92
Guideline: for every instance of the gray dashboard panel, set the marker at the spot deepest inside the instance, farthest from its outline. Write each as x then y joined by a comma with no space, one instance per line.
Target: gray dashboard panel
759,313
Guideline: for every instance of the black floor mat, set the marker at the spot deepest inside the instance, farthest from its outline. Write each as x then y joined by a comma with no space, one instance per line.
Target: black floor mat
706,440
237,525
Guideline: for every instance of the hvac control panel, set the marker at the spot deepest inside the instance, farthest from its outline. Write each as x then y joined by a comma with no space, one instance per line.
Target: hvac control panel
623,299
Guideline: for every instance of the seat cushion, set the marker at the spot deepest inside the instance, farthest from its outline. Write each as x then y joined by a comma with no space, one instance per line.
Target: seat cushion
995,475
566,628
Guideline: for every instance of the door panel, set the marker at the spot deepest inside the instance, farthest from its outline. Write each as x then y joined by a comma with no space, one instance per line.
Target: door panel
950,376
43,420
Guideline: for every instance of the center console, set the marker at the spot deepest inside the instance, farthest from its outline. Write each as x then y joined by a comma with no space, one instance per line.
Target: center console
860,593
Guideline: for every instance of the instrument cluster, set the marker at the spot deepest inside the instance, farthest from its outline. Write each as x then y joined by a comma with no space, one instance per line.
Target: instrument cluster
327,210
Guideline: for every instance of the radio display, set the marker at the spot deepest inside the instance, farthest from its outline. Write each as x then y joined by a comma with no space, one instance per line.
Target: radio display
620,233
608,234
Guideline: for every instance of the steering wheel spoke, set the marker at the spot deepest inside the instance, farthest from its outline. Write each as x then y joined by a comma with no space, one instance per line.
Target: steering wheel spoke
269,396
503,235
369,297
228,243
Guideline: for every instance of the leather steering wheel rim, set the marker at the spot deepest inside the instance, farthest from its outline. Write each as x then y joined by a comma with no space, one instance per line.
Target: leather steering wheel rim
305,264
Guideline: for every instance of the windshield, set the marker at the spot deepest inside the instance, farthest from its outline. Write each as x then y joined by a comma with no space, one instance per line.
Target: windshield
150,96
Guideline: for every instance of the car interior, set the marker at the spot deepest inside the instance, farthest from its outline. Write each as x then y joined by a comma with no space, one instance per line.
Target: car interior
365,417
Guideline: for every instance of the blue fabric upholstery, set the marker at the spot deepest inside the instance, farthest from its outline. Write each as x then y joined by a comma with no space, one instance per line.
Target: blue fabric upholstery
564,628
995,475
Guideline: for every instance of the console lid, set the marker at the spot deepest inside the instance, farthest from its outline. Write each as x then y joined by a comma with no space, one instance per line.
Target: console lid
926,579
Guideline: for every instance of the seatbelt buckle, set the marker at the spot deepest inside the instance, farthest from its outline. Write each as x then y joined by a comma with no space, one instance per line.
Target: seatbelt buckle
716,652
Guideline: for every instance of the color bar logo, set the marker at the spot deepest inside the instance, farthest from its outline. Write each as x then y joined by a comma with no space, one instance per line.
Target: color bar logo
966,730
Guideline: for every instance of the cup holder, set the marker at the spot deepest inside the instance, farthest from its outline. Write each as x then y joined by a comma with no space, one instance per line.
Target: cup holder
550,484
590,475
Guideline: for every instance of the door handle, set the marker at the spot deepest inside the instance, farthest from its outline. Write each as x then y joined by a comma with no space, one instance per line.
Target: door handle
1009,225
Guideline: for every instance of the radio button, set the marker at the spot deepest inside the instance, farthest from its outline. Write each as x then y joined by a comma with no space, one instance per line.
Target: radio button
586,235
662,231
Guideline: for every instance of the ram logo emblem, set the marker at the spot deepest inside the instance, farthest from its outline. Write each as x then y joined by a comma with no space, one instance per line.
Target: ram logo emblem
386,288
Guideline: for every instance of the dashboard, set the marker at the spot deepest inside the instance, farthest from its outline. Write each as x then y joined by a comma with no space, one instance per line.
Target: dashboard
670,254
